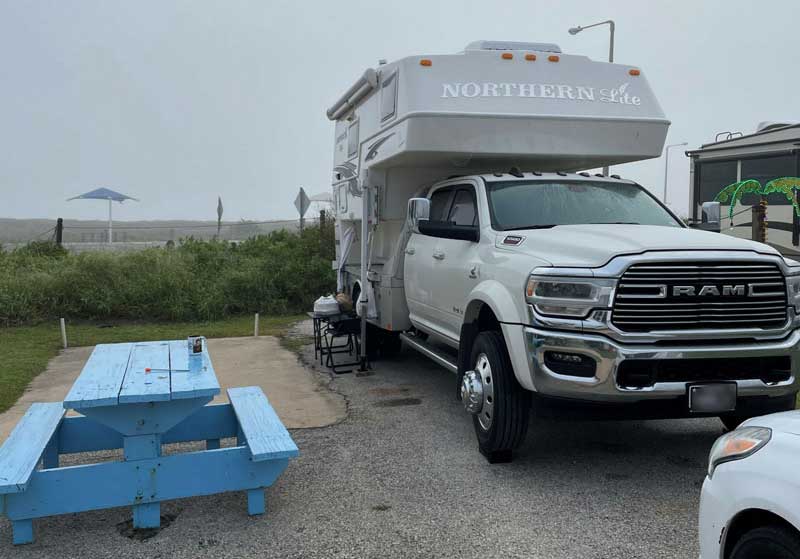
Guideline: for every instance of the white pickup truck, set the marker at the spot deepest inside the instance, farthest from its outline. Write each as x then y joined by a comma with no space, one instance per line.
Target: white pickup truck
464,230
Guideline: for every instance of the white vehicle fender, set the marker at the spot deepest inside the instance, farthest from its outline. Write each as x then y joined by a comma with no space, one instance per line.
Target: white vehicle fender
510,311
505,307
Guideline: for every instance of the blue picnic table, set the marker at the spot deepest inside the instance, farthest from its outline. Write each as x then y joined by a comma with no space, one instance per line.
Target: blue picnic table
138,397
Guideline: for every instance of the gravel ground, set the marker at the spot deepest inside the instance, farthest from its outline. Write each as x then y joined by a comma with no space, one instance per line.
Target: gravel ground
402,477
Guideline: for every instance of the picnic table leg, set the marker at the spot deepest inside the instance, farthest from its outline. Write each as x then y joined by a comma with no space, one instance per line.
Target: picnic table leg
50,456
212,444
140,447
255,501
23,531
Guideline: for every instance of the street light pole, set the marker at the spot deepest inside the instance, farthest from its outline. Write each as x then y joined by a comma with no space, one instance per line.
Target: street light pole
666,167
612,28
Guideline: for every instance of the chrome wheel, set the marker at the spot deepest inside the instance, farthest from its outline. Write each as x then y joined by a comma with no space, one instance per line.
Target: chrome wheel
484,370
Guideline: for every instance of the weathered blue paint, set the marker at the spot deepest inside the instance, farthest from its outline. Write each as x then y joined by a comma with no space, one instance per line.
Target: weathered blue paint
147,378
255,502
156,402
101,379
191,384
83,434
23,531
141,373
22,451
145,418
263,431
115,484
50,455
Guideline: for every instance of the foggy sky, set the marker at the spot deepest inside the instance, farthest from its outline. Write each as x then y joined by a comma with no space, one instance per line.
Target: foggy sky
176,102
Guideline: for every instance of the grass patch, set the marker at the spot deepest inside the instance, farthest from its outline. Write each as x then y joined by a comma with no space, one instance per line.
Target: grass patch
25,350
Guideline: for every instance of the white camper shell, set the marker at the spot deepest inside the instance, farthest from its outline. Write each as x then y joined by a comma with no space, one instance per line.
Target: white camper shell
496,105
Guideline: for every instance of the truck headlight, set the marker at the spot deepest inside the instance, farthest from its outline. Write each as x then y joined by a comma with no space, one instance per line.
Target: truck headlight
793,291
569,297
738,444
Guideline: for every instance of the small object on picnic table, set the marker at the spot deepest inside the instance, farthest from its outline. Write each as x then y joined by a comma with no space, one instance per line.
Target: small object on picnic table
195,346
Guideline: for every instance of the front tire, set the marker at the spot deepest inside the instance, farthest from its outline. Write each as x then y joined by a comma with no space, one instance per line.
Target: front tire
502,423
767,542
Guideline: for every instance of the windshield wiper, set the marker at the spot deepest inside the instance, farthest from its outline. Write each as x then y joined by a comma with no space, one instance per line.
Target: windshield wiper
613,223
532,227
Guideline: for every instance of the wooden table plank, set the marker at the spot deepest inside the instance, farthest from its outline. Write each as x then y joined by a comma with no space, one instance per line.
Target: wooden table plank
148,376
101,379
191,384
21,452
266,435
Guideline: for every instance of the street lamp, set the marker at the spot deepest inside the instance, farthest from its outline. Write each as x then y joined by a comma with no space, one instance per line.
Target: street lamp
666,167
612,26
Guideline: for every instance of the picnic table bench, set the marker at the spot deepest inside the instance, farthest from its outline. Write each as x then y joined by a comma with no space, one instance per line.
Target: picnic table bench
138,397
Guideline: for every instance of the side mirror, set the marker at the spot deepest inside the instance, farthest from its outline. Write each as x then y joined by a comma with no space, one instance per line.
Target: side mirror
710,216
419,209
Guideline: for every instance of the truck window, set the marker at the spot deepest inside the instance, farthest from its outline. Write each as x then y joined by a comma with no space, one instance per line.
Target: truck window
464,210
440,203
535,204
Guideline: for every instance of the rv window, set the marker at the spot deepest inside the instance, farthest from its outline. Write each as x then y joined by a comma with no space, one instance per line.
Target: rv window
464,210
388,96
352,139
440,202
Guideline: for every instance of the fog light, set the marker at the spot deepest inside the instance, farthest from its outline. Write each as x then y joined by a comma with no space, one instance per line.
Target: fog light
571,364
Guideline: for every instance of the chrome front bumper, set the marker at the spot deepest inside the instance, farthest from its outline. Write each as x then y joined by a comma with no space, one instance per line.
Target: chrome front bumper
609,355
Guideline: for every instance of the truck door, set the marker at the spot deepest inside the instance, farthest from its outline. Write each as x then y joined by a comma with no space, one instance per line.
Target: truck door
418,277
455,267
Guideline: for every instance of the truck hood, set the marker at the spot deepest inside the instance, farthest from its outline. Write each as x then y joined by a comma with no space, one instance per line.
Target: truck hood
784,422
591,246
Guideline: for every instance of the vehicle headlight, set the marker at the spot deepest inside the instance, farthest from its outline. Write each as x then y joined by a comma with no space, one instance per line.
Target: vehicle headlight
738,444
793,291
568,297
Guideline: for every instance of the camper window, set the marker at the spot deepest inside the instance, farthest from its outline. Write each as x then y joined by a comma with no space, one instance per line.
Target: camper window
388,96
352,139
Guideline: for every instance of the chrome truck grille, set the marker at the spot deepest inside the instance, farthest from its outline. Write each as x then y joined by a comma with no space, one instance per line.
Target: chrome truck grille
707,295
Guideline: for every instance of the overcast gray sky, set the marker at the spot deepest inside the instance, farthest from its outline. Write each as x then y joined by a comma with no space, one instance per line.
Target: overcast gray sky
175,102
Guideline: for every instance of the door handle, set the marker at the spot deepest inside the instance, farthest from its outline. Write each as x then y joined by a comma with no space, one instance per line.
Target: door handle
438,255
410,250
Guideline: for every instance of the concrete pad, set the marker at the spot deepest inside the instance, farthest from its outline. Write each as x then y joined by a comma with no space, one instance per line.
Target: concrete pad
298,395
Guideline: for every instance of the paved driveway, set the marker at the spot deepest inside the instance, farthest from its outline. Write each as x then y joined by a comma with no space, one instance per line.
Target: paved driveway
402,477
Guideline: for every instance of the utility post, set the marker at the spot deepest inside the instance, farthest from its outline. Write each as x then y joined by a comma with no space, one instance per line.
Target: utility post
322,233
59,231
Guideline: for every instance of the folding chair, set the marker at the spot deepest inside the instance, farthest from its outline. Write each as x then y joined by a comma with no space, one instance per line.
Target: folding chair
349,328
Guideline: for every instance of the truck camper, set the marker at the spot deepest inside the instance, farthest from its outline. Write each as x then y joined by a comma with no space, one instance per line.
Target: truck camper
467,230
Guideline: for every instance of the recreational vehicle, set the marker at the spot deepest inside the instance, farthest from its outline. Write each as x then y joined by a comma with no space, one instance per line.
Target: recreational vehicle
468,229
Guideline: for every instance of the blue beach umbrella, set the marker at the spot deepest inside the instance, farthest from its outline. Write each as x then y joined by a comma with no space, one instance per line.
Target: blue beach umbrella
105,194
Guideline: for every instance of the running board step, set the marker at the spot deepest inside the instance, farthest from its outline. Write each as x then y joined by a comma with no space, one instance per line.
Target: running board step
431,352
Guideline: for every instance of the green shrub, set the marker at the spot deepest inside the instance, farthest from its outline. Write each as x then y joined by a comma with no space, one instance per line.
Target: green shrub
278,273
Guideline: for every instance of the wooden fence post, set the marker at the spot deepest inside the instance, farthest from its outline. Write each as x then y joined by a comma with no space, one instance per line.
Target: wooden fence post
63,333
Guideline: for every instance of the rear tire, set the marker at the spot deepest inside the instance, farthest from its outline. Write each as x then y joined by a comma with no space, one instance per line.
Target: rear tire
767,542
506,426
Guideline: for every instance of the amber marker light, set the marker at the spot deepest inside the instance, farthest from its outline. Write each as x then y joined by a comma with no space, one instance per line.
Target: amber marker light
425,62
553,58
634,72
506,56
530,57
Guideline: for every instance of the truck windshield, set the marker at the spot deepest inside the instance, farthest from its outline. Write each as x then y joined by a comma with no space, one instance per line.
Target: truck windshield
541,204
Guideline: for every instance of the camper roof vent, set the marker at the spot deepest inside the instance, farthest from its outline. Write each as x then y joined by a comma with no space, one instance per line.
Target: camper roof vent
513,45
772,125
